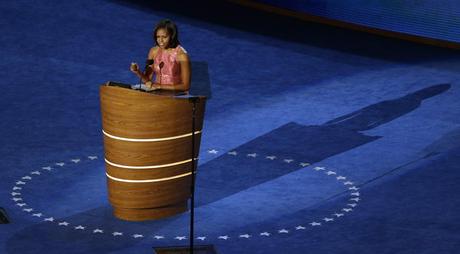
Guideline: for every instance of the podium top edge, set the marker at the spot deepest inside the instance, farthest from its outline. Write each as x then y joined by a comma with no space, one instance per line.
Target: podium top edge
161,93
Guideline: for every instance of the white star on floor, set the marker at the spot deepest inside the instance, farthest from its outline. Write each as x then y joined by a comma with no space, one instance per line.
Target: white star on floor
355,199
202,238
117,233
49,219
288,160
47,168
314,224
180,238
20,183
304,164
75,160
244,236
60,164
79,227
355,194
35,173
15,194
232,153
28,210
353,188
16,199
26,178
265,234
223,237
271,157
37,214
64,223
97,230
283,231
348,183
328,219
338,214
213,151
319,168
352,205
92,157
341,177
253,155
299,227
17,188
21,204
347,210
137,236
158,237
331,173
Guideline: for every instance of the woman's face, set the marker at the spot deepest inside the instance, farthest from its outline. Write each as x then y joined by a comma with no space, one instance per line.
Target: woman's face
162,37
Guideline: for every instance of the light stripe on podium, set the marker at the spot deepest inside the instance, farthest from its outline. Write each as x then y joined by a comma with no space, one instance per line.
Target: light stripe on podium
148,167
148,180
149,139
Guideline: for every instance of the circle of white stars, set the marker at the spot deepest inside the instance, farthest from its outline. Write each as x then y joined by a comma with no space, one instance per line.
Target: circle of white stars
351,188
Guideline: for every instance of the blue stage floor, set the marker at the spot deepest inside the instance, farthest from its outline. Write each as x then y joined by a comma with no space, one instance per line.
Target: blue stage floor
316,139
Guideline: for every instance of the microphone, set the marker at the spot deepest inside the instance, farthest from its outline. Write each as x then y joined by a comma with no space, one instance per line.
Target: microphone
147,65
161,67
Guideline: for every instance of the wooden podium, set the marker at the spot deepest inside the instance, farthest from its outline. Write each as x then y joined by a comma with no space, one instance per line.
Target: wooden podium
148,151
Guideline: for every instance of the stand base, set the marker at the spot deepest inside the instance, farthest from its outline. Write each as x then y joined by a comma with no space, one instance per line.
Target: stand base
141,214
198,249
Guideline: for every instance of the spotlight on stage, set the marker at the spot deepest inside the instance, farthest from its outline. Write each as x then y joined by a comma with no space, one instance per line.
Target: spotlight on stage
3,217
197,249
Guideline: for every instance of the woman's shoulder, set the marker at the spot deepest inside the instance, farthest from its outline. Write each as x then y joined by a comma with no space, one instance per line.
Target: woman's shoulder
182,54
153,52
181,50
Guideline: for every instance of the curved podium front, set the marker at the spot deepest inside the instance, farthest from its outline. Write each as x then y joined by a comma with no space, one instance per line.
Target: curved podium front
148,151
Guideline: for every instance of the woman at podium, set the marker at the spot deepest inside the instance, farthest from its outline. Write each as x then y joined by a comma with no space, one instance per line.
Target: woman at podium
168,65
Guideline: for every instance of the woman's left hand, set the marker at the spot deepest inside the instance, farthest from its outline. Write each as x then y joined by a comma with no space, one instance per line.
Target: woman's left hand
152,86
156,86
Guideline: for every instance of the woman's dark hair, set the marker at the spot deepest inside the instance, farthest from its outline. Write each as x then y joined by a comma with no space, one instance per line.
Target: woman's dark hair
171,28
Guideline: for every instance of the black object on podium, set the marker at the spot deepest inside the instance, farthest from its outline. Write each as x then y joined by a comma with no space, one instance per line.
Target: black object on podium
122,85
3,217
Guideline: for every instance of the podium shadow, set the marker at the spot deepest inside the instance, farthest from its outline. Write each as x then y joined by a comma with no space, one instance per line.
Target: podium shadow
201,83
220,177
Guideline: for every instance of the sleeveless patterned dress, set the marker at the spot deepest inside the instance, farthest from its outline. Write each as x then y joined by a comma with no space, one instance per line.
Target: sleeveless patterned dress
167,67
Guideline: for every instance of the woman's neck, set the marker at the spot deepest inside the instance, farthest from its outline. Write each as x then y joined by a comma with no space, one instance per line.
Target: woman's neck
168,49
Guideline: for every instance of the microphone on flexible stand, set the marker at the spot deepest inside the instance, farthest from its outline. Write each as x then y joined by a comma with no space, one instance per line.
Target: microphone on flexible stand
161,67
147,65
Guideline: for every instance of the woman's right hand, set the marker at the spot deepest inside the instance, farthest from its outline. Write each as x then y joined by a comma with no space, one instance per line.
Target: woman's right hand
134,68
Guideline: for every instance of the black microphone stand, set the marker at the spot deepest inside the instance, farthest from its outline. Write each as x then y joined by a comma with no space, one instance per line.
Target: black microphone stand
208,249
194,100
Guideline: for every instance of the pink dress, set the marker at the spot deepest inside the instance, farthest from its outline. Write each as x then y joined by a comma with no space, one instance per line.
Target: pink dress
169,73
